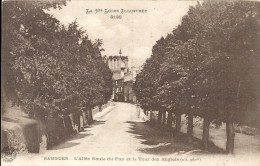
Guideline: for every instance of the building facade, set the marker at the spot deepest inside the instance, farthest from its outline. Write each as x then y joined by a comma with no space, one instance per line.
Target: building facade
129,80
123,78
118,64
118,90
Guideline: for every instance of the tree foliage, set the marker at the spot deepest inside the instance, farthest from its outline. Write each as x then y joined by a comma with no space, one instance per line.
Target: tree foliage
48,67
209,65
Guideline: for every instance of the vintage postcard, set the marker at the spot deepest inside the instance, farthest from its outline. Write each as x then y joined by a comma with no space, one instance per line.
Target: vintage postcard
147,82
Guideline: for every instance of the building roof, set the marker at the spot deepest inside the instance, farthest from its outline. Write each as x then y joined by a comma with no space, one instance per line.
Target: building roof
118,57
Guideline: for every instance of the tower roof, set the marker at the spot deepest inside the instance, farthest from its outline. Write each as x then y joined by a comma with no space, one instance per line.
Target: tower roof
120,52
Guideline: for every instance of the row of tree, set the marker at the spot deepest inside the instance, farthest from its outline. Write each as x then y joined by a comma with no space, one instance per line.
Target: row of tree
209,66
49,69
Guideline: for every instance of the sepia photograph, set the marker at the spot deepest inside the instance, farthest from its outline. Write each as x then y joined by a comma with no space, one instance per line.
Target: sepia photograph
130,82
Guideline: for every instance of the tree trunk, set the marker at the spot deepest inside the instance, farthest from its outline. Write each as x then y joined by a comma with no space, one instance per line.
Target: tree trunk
163,117
151,115
85,123
159,121
86,116
76,120
100,107
178,123
190,127
146,112
230,135
205,138
90,116
68,125
169,120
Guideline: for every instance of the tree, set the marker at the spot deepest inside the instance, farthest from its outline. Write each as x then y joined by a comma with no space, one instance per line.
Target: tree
146,81
50,70
210,67
232,44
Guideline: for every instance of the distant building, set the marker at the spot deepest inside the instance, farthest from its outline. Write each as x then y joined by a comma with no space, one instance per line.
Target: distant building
118,64
123,78
129,79
118,91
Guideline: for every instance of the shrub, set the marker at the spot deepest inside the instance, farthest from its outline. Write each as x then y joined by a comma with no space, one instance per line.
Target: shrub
14,138
32,137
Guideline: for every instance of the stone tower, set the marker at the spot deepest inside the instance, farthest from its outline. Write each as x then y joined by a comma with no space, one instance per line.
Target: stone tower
118,65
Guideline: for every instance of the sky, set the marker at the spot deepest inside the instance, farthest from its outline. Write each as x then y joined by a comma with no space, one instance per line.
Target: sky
135,33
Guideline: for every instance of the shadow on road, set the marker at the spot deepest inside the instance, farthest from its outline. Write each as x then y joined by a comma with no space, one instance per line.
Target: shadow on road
95,123
64,145
83,134
165,142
